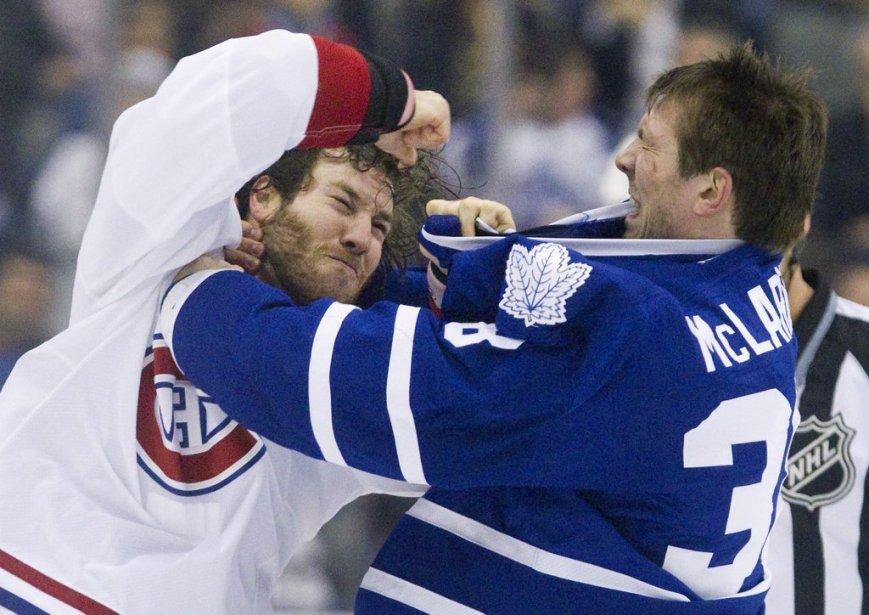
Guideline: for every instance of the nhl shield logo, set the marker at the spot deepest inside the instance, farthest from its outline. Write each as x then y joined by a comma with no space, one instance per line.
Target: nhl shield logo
820,469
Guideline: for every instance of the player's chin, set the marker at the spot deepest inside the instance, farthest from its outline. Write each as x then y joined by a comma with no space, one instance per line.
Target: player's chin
344,291
633,226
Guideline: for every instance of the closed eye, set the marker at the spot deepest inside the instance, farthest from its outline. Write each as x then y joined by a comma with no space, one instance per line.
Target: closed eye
345,203
383,227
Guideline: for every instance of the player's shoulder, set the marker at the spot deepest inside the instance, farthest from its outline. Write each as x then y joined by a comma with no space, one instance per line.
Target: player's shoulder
732,312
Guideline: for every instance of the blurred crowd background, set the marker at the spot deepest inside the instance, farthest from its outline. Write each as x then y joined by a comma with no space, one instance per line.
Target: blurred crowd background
543,93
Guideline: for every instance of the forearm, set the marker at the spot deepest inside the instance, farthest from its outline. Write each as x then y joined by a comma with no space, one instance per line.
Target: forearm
224,114
230,111
387,390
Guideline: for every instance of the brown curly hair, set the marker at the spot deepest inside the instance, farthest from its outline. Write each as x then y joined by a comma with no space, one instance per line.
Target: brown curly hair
411,189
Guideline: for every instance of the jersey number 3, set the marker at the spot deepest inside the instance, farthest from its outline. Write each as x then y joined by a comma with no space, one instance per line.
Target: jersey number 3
760,417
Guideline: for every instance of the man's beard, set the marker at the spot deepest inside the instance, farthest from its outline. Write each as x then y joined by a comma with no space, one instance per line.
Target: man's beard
293,261
652,223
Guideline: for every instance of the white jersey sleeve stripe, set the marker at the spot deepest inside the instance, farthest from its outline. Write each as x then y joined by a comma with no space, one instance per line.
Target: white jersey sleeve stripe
412,595
319,388
536,558
398,395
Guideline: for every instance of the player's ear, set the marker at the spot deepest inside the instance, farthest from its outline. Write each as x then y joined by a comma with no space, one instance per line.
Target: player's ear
264,200
715,192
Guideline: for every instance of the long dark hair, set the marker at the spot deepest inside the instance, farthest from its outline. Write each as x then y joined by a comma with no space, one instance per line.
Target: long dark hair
411,189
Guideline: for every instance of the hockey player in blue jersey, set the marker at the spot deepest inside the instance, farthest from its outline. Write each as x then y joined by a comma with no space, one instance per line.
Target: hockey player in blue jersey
604,409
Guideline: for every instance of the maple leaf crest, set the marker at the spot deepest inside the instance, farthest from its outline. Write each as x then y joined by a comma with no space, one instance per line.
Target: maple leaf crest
539,283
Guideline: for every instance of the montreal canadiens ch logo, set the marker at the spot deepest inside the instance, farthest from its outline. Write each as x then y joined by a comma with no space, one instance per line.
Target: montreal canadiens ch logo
820,469
185,441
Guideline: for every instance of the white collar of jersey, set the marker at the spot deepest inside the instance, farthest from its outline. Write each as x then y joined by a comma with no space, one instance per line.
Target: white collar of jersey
602,247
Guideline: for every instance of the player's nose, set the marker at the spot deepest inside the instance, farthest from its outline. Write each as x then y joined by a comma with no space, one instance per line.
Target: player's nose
626,158
358,235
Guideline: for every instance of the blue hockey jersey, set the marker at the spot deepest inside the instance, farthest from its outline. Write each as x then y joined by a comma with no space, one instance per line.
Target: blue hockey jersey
603,422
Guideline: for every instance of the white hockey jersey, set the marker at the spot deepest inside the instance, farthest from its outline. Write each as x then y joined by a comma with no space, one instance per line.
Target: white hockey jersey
99,510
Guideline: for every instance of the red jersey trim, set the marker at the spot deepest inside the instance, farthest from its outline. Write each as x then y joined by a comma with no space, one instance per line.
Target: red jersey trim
188,469
49,586
343,91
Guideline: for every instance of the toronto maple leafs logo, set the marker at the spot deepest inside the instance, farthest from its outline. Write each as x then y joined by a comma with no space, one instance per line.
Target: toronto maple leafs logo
539,283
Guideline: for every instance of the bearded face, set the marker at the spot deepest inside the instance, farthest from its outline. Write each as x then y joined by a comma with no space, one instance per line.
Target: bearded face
307,267
328,240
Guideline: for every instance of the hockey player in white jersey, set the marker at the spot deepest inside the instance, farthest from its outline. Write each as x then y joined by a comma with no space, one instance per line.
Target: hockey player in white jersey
123,487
